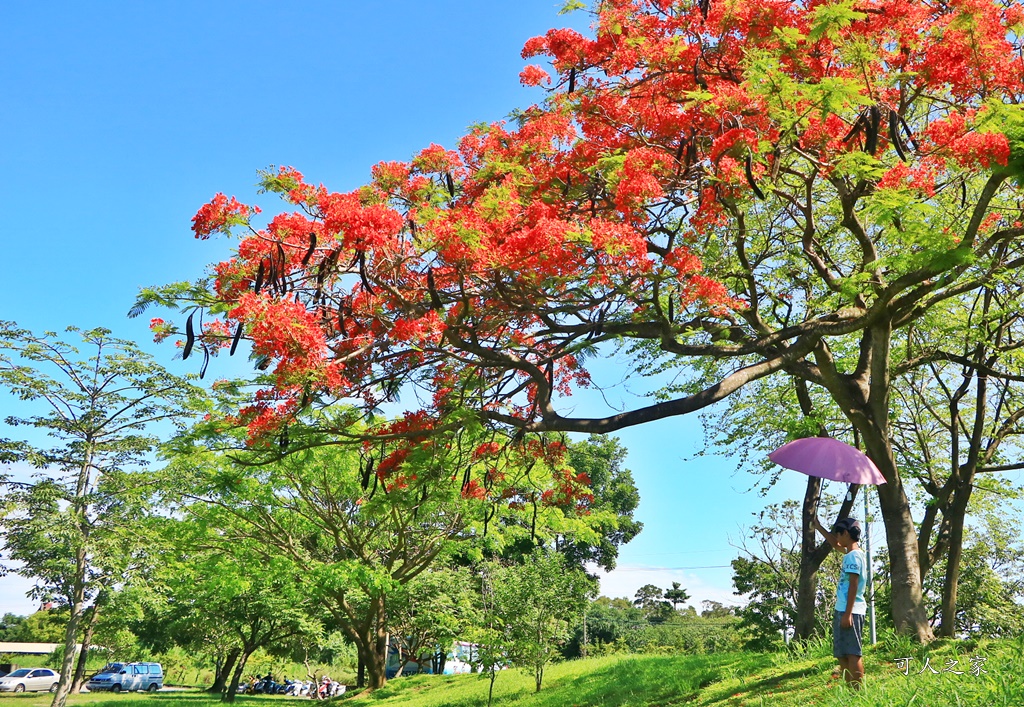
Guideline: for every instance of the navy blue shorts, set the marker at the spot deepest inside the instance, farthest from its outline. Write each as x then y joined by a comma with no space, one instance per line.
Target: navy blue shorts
846,641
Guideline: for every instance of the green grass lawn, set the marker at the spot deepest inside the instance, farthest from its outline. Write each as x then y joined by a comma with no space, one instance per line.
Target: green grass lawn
797,679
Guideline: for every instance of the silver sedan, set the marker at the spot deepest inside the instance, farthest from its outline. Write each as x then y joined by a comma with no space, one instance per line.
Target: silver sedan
31,680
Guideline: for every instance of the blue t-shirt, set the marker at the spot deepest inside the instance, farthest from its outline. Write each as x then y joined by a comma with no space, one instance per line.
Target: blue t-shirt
854,563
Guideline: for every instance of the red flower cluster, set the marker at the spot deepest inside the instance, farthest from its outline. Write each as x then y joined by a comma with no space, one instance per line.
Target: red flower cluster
220,215
479,274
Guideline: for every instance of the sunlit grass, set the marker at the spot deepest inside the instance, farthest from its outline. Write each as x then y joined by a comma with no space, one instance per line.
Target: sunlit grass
799,678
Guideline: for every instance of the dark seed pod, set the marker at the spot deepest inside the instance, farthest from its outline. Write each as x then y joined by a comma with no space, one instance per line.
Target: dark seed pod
362,273
450,183
858,125
698,78
272,274
671,309
258,285
907,131
312,248
705,7
572,79
235,339
282,272
748,170
364,473
190,336
206,362
283,442
435,298
963,194
871,138
894,135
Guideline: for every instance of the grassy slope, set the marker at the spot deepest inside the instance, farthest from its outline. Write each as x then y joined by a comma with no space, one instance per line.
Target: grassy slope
729,680
735,680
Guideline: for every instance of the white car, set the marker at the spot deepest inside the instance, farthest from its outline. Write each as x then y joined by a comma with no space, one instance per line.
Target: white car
30,679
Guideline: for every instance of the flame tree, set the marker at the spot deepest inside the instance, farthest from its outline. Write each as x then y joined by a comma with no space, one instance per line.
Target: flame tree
731,189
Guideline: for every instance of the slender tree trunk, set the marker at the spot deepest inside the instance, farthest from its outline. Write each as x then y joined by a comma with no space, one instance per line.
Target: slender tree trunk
60,698
77,603
490,688
807,583
950,584
812,554
538,676
83,655
224,670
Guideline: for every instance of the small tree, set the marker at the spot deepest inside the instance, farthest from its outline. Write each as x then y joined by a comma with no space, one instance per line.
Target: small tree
75,526
769,575
535,604
650,599
676,595
430,612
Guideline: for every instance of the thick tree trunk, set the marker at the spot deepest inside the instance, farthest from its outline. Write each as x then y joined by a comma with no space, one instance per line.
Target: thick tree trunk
947,628
236,677
224,670
373,663
908,612
370,639
83,655
377,660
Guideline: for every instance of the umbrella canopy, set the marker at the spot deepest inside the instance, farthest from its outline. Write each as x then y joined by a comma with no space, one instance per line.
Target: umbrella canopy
828,458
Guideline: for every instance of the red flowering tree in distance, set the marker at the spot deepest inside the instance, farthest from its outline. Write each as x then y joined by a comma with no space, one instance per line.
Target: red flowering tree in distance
750,187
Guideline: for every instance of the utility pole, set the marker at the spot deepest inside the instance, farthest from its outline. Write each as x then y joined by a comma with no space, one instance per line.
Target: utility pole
871,586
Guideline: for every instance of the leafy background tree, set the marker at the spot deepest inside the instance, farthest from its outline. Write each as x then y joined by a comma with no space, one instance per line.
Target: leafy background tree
74,528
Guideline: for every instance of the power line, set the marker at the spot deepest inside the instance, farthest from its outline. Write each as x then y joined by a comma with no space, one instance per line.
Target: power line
663,569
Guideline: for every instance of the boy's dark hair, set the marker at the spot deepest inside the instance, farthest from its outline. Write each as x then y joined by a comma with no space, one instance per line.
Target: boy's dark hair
850,525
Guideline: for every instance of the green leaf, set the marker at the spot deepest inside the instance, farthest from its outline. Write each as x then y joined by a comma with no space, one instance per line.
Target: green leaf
828,20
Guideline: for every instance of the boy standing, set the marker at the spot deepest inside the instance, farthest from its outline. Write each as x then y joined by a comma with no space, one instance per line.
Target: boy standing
848,618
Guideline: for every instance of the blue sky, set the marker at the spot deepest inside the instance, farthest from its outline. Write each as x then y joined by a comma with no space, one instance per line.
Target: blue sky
120,120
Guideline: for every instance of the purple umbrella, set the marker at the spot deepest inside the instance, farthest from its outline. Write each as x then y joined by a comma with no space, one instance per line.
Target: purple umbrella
828,458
